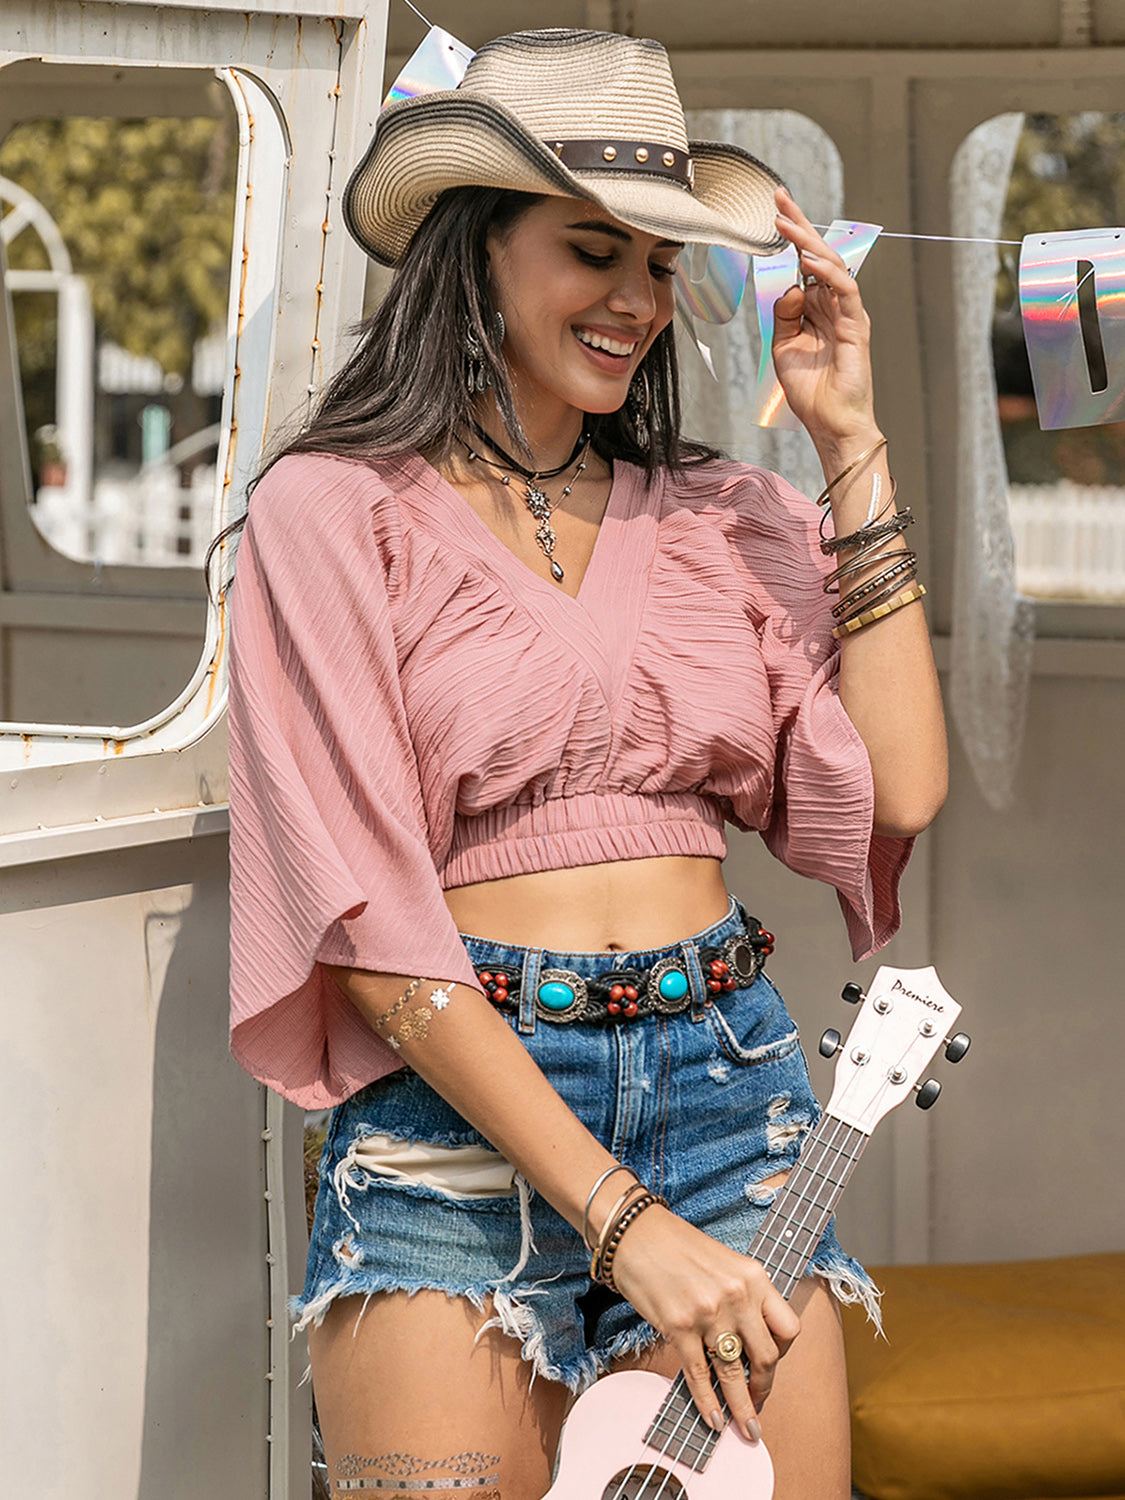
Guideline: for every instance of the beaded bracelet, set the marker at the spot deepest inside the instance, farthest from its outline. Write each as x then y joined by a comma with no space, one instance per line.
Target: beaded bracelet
878,611
634,1189
601,1265
889,592
908,564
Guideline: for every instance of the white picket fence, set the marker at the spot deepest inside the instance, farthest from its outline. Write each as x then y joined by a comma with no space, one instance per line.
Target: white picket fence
1069,540
152,519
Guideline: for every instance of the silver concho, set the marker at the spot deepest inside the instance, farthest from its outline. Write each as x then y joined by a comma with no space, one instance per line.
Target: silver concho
660,1003
743,959
575,982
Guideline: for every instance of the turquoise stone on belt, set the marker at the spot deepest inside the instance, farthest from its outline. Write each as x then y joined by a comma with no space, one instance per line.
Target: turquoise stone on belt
673,985
555,995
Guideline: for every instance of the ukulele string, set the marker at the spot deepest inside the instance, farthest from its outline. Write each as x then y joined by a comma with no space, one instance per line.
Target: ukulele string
796,1226
829,1143
693,1418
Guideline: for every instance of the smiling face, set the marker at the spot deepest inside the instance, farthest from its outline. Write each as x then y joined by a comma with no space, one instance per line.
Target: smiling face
583,297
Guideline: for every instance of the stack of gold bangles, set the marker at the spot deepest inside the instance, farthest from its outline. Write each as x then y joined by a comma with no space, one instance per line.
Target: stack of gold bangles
893,586
629,1207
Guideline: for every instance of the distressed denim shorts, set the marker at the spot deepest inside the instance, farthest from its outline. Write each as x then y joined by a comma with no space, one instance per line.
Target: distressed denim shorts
703,1110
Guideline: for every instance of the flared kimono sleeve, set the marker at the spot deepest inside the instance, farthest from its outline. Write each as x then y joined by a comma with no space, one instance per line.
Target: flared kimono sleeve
329,855
821,822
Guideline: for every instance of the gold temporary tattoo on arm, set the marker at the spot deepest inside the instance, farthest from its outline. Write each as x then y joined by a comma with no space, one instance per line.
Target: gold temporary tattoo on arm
415,1027
404,999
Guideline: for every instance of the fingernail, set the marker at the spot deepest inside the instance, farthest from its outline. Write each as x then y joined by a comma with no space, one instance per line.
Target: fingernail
716,1420
808,255
753,1432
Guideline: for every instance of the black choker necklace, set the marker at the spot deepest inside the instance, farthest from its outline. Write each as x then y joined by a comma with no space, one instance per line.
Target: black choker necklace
531,474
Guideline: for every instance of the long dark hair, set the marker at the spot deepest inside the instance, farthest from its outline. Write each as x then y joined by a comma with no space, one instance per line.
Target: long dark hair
405,386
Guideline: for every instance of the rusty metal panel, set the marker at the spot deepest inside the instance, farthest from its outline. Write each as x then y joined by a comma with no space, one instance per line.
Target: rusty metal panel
300,287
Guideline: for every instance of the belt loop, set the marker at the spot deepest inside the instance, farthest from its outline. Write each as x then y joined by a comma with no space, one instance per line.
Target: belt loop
529,989
699,991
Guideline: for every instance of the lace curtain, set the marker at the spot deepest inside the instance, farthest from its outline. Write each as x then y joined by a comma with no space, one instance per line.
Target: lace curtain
993,625
803,154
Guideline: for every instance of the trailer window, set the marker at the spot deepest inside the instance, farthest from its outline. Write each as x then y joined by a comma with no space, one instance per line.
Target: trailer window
117,232
1066,487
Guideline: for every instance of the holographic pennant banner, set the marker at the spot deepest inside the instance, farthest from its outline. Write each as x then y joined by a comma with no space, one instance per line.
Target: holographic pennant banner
715,295
712,297
438,63
773,276
1079,376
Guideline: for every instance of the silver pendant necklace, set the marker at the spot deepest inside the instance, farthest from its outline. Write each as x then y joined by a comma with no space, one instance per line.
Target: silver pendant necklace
539,503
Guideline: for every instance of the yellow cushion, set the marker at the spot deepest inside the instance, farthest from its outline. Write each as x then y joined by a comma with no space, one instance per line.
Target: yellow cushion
997,1382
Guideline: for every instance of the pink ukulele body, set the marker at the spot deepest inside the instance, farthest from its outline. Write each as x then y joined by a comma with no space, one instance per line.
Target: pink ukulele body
637,1436
604,1455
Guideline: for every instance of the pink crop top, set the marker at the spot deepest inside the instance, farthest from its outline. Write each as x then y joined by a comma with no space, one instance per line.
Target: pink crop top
411,708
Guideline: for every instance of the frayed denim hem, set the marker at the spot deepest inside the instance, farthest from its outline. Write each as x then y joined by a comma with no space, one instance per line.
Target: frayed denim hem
511,1314
849,1283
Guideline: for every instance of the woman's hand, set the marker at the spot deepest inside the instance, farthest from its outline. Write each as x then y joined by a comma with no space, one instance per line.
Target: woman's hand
694,1289
821,338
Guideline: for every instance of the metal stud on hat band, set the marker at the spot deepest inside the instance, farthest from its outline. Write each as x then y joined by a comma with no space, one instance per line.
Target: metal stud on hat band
652,158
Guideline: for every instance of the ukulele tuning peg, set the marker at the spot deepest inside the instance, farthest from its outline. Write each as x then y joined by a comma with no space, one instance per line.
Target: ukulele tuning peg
852,994
927,1093
830,1043
957,1046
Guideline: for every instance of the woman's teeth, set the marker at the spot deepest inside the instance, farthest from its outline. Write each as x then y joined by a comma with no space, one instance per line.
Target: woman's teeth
599,341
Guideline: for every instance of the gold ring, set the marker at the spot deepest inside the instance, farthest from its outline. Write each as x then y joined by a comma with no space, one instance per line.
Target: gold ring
728,1348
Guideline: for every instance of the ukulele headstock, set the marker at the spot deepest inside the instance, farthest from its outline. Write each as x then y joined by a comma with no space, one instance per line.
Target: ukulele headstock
904,1018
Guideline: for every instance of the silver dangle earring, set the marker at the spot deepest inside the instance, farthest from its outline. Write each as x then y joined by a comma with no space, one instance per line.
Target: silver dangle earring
477,372
639,405
476,367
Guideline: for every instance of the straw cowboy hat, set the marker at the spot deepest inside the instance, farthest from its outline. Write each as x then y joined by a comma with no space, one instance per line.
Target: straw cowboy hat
582,114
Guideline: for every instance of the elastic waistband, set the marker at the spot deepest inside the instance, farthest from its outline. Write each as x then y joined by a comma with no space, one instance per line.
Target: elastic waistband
547,985
589,828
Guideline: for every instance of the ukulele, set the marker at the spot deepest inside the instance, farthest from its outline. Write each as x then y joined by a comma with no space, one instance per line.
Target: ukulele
636,1435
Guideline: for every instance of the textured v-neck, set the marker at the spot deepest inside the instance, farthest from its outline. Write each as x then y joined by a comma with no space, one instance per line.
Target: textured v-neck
602,619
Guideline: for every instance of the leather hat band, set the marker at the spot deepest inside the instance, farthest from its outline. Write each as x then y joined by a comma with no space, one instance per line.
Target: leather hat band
648,157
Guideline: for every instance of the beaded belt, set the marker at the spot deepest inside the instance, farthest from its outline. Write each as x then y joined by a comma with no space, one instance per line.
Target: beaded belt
626,994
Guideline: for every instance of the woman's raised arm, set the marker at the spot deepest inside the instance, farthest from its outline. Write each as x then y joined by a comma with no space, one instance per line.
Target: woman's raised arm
888,682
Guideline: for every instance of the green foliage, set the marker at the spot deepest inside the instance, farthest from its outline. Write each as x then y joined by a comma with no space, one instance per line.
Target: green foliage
146,210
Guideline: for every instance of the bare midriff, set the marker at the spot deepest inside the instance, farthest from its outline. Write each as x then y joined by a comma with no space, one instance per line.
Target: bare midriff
627,906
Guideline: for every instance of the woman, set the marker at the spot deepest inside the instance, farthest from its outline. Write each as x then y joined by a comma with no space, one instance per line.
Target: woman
513,695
